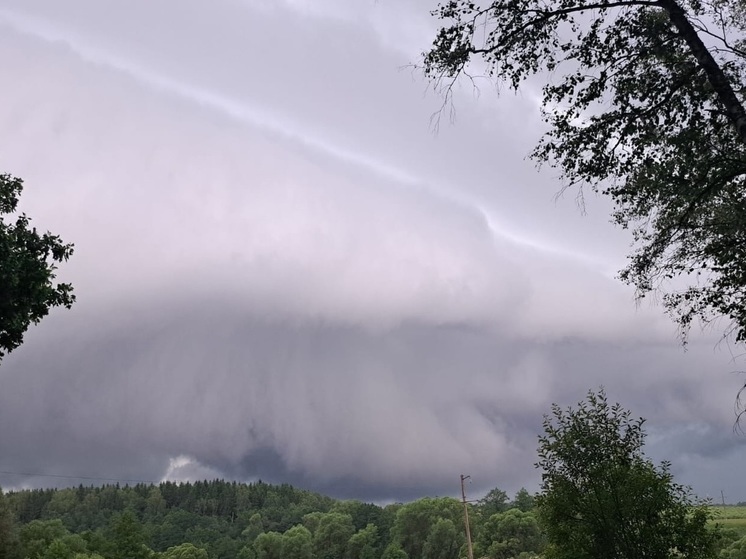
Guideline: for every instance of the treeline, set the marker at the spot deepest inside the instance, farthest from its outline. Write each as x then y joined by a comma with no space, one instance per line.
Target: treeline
227,520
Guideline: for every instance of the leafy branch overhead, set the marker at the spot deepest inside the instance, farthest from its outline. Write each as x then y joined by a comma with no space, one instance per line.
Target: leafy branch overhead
27,270
645,104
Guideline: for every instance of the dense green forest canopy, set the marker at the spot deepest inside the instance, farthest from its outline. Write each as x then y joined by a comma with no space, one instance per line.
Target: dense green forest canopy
220,519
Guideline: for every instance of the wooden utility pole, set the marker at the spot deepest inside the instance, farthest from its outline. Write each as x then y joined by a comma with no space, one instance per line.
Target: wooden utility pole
722,496
466,516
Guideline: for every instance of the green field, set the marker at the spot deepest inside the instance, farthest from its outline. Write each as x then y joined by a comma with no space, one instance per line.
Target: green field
731,517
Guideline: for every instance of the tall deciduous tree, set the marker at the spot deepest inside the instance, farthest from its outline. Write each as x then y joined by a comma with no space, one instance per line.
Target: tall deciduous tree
443,542
332,535
508,534
185,551
268,545
127,537
415,520
645,103
523,500
493,502
601,497
27,270
297,543
363,544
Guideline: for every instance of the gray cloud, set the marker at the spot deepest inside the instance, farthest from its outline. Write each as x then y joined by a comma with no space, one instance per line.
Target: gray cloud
282,274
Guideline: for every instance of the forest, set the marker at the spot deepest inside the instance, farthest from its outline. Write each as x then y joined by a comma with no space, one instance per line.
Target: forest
221,520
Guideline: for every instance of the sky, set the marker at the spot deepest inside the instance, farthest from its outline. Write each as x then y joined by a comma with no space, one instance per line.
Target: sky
285,272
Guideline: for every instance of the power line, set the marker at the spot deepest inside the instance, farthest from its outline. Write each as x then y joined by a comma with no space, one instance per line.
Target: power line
87,478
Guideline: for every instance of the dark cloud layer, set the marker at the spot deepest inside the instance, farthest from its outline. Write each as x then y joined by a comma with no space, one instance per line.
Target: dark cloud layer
356,413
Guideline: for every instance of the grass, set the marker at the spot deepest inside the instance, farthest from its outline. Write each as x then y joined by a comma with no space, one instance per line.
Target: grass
731,517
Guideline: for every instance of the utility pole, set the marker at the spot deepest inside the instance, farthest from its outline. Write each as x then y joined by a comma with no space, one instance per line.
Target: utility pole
722,496
466,516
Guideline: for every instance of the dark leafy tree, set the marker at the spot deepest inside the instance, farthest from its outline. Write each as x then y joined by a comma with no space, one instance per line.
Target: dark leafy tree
362,513
523,500
510,533
645,103
185,551
443,542
68,547
9,545
127,538
393,551
332,534
27,270
414,522
268,545
601,497
253,528
736,550
495,501
36,536
364,543
297,543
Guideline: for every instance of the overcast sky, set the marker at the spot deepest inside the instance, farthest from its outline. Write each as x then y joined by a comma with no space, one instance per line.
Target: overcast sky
283,272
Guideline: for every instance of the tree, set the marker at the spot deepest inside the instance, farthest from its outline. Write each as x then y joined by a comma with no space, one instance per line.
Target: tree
185,551
27,270
523,500
363,544
67,547
443,542
254,527
268,545
127,537
297,543
645,104
332,535
508,534
57,550
736,550
155,504
37,535
601,497
393,551
8,534
493,502
414,522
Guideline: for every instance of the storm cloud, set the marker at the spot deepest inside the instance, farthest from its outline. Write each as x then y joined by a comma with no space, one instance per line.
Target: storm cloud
284,274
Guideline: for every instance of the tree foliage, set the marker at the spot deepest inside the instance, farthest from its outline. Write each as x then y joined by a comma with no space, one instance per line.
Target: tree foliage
268,545
27,270
185,551
496,500
114,521
601,497
510,533
364,543
736,550
8,533
415,521
297,543
523,500
644,102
